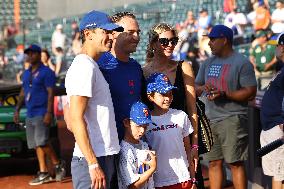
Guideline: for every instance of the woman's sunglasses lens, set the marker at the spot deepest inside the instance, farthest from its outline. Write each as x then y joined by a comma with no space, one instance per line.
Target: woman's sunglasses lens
164,41
174,40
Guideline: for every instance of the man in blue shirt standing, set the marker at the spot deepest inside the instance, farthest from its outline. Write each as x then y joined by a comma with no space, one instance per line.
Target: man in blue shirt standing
37,94
123,74
272,120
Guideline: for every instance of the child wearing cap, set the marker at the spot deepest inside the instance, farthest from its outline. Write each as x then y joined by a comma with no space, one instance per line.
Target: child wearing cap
168,135
136,163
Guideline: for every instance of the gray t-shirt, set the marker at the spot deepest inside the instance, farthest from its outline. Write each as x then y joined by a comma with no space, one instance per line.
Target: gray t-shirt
226,74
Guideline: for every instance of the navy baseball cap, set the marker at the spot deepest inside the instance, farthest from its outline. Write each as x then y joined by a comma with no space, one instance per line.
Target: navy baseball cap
140,114
96,19
220,31
159,82
33,48
280,39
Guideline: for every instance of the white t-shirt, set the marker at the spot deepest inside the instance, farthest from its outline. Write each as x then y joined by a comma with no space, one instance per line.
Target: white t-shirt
235,20
130,166
84,78
278,27
165,136
58,39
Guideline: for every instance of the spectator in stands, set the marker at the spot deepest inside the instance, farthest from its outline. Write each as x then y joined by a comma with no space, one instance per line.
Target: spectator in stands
19,75
262,17
236,21
91,114
19,58
162,41
58,38
76,44
75,29
203,22
46,59
265,2
60,63
272,120
277,17
190,24
227,80
204,48
251,17
3,59
204,25
229,6
11,31
192,57
37,93
263,58
187,36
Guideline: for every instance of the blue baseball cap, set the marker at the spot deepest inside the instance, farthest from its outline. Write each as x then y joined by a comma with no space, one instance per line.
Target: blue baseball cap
33,48
220,31
159,82
140,114
96,19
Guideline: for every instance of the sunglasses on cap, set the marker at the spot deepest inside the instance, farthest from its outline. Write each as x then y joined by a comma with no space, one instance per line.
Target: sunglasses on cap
166,41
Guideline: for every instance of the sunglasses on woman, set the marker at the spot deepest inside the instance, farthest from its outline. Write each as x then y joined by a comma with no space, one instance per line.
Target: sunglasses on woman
166,41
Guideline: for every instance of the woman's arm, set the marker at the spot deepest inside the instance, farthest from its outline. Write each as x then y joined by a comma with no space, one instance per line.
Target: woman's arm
188,78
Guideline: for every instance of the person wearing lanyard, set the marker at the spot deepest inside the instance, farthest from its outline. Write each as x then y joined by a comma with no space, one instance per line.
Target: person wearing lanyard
37,94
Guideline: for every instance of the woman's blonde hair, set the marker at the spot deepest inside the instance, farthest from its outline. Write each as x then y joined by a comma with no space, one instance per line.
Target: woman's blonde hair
154,35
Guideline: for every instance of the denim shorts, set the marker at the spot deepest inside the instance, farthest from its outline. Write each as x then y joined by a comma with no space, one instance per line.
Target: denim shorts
37,132
80,172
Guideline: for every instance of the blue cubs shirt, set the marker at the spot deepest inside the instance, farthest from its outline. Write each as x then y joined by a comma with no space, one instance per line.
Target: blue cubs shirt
125,82
35,86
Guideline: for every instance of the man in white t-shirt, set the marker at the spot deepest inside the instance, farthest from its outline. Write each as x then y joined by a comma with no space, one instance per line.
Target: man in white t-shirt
90,107
58,38
277,18
236,21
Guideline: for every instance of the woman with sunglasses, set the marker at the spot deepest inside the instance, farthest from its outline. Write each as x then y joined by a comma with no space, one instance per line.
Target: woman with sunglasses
162,41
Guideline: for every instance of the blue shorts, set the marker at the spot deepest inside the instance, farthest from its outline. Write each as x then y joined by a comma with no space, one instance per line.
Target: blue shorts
80,172
37,132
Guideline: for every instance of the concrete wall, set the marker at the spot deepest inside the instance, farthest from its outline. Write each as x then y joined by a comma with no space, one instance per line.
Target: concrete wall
49,9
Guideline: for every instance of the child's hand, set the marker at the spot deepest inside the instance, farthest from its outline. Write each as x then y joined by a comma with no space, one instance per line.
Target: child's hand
153,160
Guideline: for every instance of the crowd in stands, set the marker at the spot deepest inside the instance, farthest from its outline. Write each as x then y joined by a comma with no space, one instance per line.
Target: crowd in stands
263,23
193,45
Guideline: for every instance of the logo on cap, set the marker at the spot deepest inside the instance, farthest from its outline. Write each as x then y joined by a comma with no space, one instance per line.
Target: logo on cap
159,82
166,79
91,25
139,114
146,112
